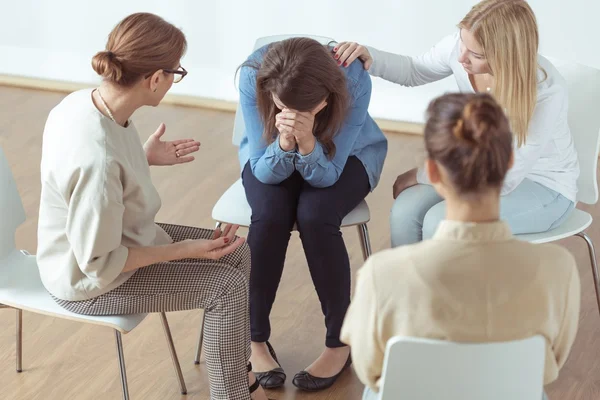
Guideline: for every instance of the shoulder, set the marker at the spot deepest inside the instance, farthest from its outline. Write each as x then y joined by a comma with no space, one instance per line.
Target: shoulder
552,87
76,133
74,106
249,69
556,260
385,265
357,78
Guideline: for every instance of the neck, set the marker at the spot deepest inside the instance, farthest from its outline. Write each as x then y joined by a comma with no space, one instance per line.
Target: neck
122,103
483,208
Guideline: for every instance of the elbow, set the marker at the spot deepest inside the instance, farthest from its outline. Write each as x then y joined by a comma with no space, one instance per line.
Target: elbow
267,177
268,174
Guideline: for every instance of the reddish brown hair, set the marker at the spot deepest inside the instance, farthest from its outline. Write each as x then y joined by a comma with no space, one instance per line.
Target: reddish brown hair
469,135
140,45
302,73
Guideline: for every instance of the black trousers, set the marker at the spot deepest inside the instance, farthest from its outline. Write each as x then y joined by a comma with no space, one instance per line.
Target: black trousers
318,213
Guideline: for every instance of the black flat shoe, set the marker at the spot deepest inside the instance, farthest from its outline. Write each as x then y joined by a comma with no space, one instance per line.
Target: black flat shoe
274,378
305,381
254,387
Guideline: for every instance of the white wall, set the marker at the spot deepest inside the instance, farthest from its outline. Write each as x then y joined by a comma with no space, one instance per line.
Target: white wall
55,39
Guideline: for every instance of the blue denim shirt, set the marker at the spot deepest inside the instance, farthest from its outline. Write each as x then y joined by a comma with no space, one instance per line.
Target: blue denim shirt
359,136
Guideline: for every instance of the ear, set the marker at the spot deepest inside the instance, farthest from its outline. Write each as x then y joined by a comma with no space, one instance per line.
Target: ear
155,79
320,107
433,172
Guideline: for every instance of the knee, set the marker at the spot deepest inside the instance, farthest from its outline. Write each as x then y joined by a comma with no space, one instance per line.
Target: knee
236,281
432,220
315,219
273,218
402,212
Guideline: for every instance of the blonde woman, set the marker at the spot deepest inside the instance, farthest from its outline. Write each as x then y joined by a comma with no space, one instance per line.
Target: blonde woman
495,51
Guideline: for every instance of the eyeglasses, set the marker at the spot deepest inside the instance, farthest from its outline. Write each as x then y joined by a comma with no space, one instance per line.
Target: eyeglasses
179,74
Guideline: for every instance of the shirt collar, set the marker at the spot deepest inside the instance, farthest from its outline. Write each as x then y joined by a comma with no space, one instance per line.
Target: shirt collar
473,231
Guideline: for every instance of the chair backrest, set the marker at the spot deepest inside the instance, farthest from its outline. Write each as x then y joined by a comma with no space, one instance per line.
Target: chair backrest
425,369
238,124
12,213
584,121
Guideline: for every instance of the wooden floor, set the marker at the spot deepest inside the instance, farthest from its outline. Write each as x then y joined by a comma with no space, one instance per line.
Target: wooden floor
67,360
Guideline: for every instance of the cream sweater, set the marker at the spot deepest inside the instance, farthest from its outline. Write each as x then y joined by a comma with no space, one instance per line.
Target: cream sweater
97,200
470,283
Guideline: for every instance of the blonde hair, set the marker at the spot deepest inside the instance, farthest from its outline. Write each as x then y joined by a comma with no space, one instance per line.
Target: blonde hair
139,45
507,31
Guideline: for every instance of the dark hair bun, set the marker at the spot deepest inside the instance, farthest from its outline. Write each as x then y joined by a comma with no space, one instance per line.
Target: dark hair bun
107,65
469,135
479,117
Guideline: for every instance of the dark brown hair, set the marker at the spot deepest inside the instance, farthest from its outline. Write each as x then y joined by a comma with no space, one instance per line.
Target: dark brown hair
140,45
302,73
469,135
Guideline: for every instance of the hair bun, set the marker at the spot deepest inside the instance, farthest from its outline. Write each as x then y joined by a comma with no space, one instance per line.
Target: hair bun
106,64
479,116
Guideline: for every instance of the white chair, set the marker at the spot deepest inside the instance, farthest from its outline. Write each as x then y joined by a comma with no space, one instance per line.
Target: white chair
425,369
233,208
584,120
21,287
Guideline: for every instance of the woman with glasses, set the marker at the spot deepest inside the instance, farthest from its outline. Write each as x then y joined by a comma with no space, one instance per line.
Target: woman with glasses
99,250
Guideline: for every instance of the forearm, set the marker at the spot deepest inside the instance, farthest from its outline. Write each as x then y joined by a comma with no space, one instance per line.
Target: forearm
316,169
140,257
274,166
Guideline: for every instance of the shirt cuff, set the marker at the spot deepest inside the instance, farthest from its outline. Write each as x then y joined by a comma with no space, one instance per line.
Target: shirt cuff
422,177
314,156
278,152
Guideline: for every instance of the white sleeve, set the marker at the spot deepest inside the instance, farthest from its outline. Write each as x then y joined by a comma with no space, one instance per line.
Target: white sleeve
422,176
95,222
414,71
549,115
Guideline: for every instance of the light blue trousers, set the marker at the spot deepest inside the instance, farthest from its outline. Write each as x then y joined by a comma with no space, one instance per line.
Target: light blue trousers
530,208
368,394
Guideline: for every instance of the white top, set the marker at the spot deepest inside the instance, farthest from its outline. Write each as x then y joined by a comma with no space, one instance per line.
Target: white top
548,156
97,200
440,289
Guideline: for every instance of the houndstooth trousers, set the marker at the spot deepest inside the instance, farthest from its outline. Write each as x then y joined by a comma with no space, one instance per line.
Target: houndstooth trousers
219,287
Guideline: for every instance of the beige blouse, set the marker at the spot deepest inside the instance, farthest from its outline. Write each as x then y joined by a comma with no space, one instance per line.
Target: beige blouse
97,200
469,283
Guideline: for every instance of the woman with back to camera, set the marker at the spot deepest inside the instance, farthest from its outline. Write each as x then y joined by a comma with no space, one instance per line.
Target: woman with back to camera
99,250
473,281
495,51
310,154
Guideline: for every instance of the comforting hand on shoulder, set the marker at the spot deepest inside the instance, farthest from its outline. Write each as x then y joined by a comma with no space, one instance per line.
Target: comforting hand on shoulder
169,153
346,52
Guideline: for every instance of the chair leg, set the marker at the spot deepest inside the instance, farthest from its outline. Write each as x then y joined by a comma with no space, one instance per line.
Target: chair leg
19,340
176,364
200,340
122,365
363,232
592,252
